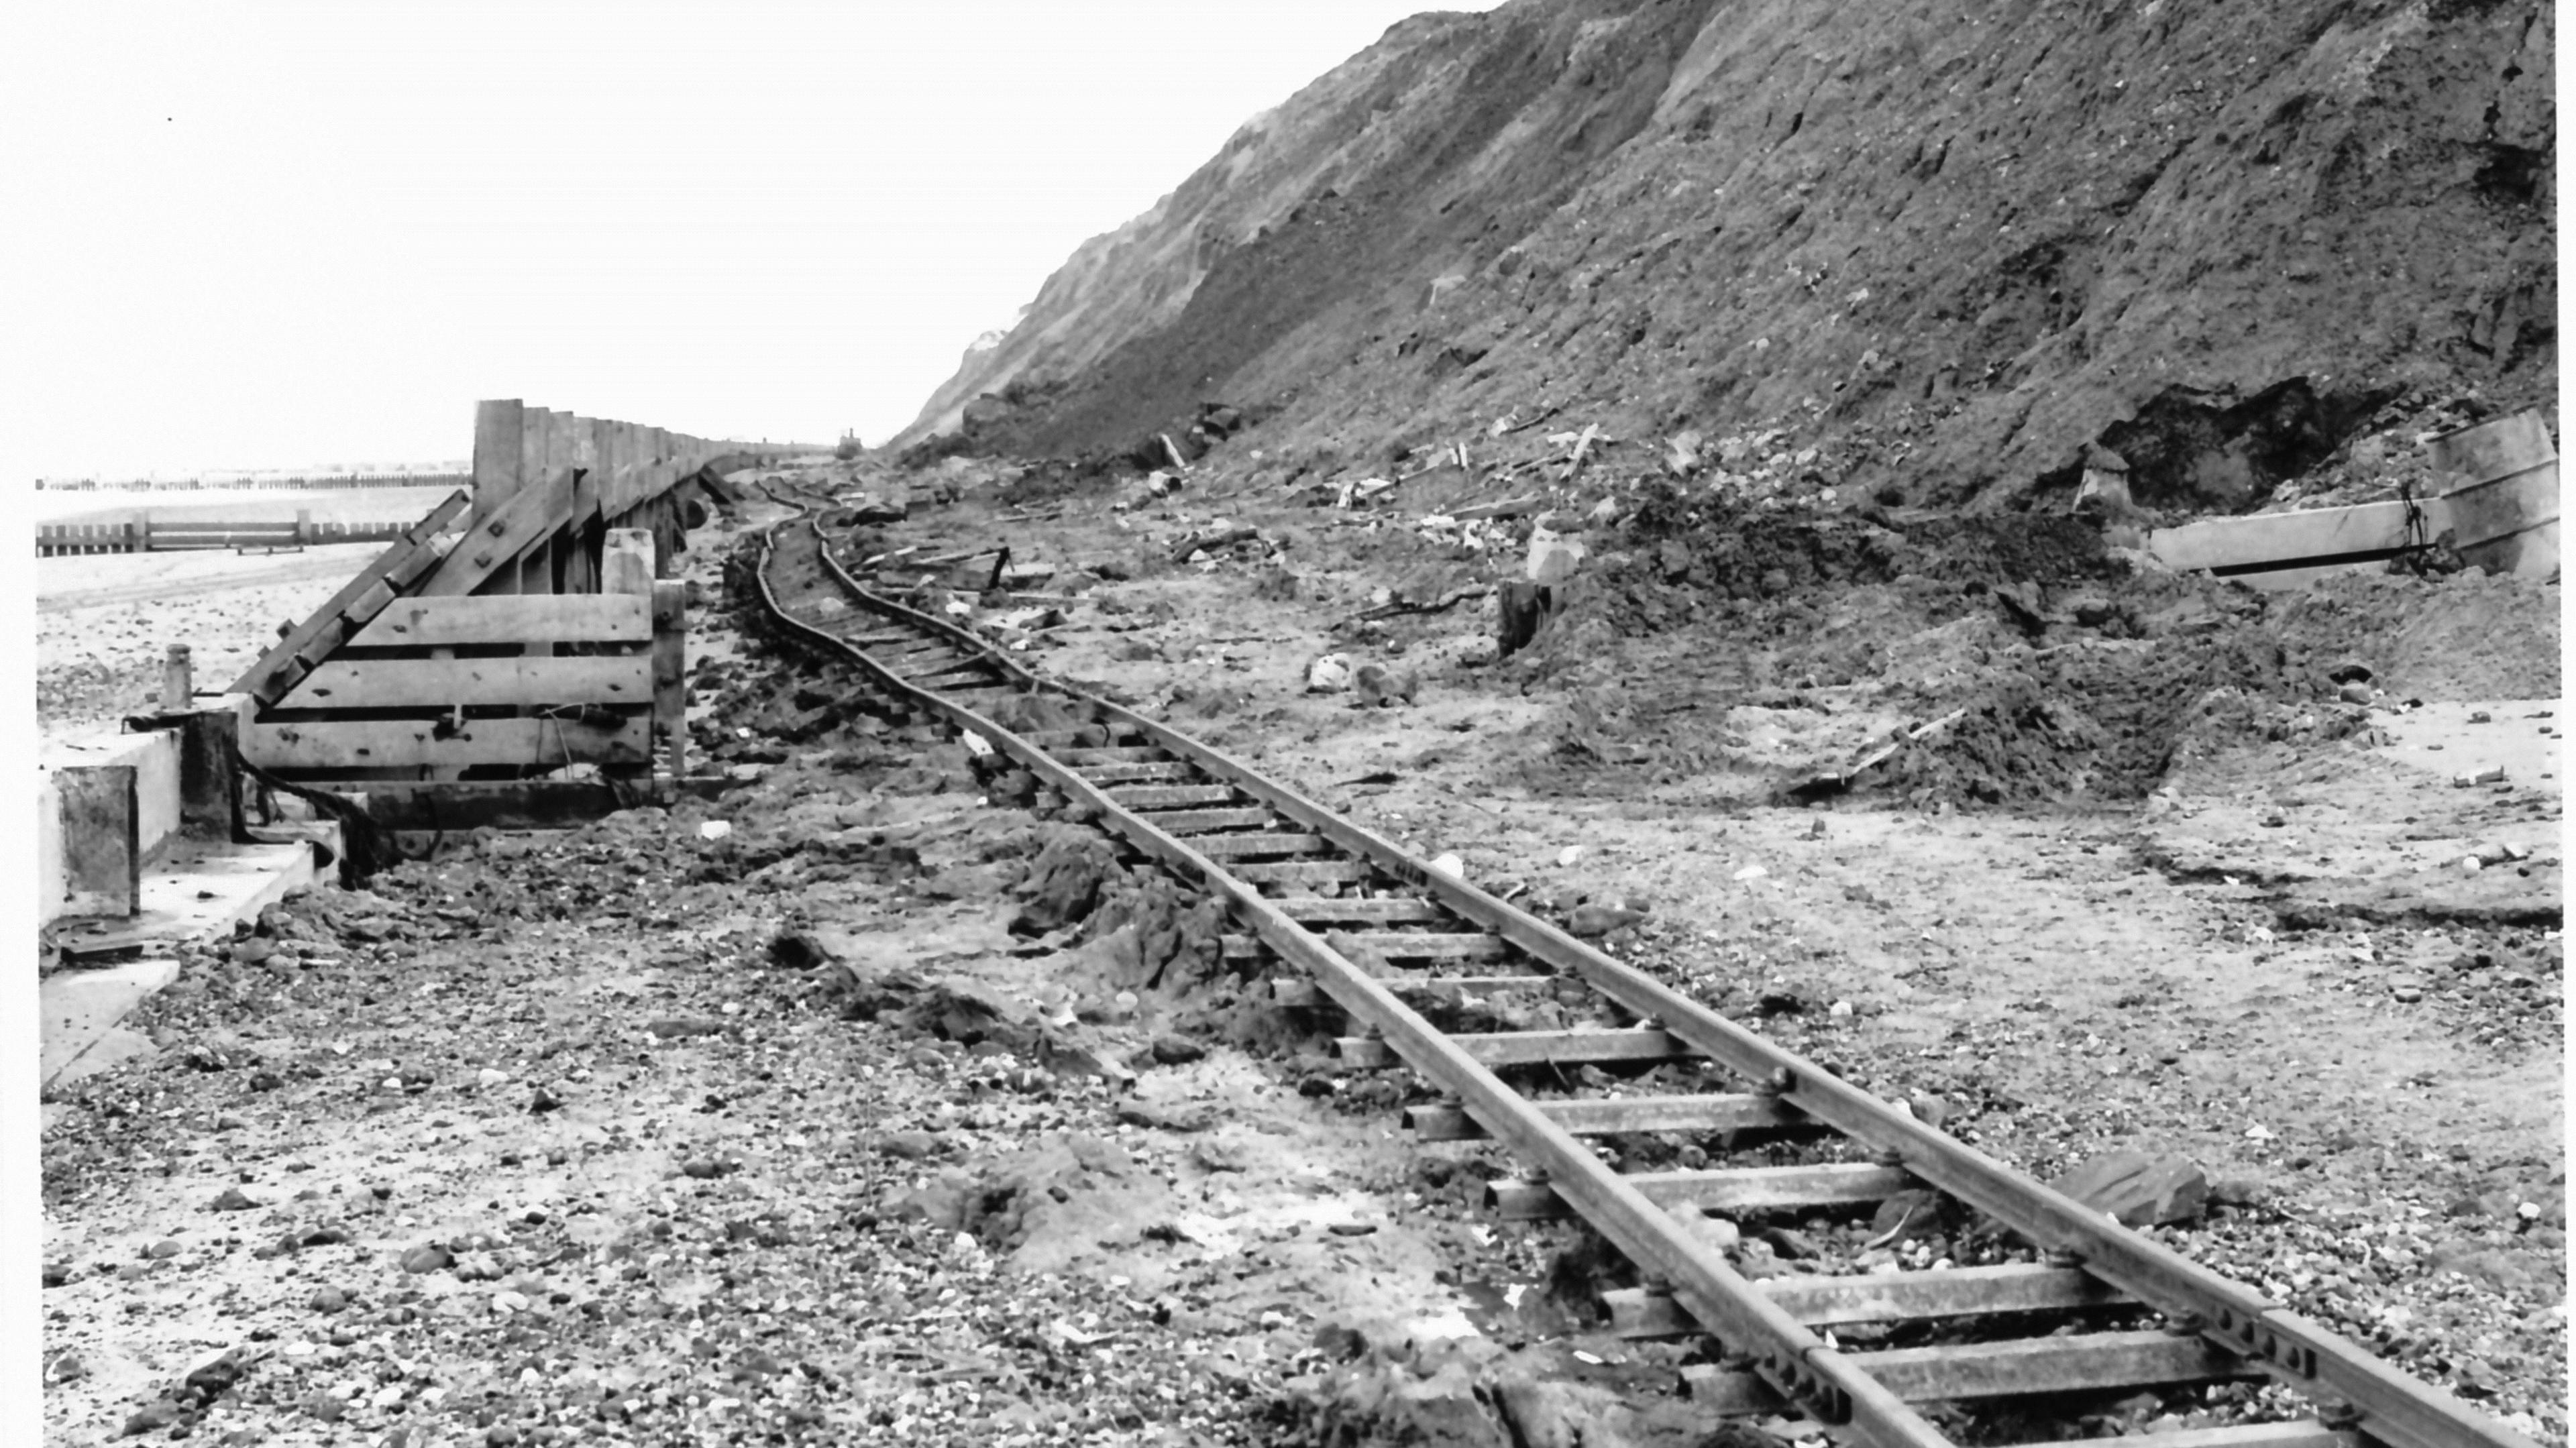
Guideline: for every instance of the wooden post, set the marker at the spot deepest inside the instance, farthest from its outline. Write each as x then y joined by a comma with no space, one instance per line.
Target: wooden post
1525,606
178,683
497,449
670,673
210,801
626,566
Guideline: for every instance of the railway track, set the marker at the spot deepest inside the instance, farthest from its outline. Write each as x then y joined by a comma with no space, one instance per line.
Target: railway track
1353,923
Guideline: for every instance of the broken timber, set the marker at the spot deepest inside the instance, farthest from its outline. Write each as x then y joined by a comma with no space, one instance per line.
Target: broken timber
510,636
2501,513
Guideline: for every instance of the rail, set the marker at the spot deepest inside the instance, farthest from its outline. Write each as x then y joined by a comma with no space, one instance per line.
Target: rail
1383,936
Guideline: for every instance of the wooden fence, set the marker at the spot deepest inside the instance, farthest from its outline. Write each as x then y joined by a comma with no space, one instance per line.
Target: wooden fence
507,638
150,535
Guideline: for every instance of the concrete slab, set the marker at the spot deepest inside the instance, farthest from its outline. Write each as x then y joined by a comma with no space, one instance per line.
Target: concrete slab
197,892
81,1009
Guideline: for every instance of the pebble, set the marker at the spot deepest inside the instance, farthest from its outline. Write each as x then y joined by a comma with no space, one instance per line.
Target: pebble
328,1299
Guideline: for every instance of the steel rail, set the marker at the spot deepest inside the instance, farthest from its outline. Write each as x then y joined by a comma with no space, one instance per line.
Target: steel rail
2356,1390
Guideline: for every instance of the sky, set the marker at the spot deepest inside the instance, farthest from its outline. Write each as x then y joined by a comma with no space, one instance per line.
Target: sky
266,235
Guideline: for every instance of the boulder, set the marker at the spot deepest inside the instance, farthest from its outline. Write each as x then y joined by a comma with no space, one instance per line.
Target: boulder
2140,1188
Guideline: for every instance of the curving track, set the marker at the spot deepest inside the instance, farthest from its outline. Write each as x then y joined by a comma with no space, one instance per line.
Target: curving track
1361,926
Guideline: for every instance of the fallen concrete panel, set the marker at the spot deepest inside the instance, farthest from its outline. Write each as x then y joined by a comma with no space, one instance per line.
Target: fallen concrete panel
80,1012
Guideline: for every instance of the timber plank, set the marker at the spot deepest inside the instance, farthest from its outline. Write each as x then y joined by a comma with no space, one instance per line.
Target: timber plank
414,743
670,673
394,567
502,619
2312,533
438,683
492,546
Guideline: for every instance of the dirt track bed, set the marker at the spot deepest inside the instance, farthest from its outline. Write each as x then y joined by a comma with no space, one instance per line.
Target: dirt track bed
2373,1090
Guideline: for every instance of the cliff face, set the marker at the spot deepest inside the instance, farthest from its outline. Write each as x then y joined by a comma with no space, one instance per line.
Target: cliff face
1953,245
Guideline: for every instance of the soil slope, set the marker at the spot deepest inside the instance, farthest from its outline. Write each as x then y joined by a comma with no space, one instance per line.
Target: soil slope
1960,242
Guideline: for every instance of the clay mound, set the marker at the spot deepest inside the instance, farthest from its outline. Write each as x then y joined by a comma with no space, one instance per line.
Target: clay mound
2060,676
1945,251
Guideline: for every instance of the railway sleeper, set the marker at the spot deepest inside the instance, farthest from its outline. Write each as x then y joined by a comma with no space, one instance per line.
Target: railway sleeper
1383,910
1260,846
1208,821
1169,796
1302,872
1108,754
1725,1189
1529,1048
1394,945
1306,995
1119,774
1882,1297
1613,1115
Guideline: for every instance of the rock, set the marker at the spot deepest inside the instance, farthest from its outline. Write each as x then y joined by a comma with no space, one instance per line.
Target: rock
327,1299
66,1367
163,1250
942,1202
1165,1118
908,1145
671,1028
160,1414
324,1407
1552,558
1718,1232
2141,1189
1591,922
1377,685
489,1077
1330,674
1915,1212
428,1257
2356,693
707,1169
1177,1050
232,1200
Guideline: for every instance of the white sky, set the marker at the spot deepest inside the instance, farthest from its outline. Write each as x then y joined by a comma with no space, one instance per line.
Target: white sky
266,235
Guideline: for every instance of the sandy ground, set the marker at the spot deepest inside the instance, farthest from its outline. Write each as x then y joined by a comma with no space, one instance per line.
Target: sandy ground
2275,963
104,623
248,505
